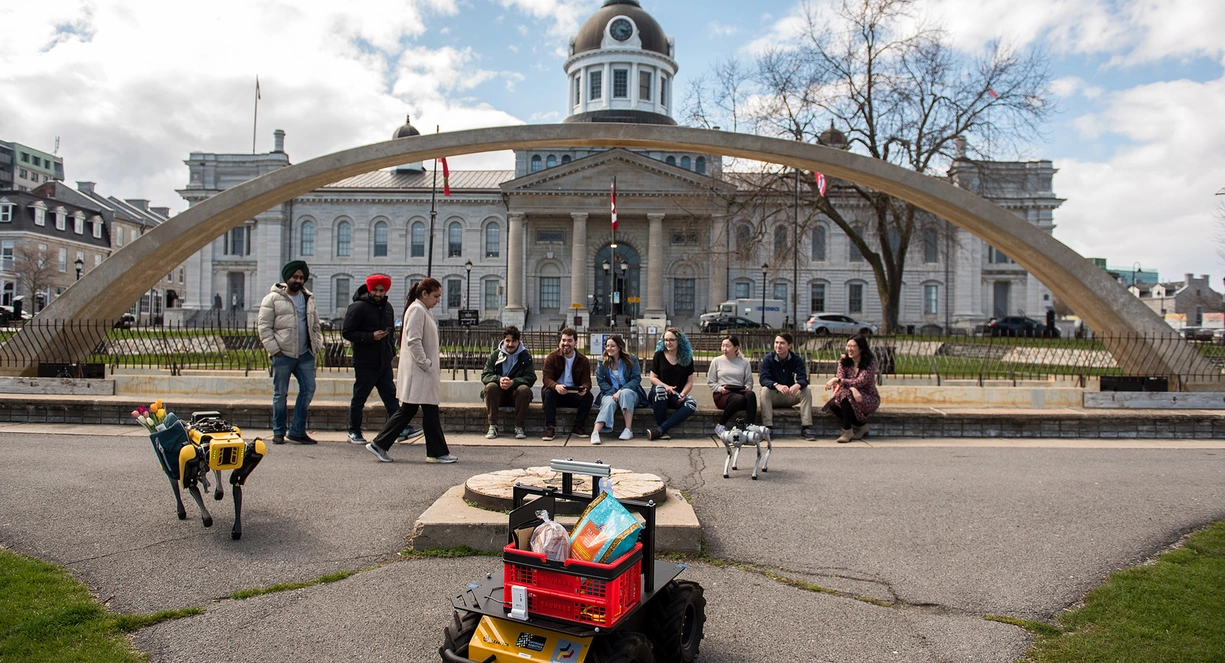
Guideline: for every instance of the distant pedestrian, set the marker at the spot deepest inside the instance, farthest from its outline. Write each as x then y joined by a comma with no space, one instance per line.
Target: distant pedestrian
730,378
420,377
784,382
855,394
620,382
672,377
288,324
567,382
508,378
370,327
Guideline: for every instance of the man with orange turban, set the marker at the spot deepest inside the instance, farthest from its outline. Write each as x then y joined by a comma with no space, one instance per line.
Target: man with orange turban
370,327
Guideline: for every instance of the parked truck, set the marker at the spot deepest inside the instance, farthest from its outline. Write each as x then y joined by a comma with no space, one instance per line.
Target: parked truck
776,310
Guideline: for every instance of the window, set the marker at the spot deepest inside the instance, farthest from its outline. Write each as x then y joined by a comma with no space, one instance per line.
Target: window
997,257
818,243
565,158
578,90
663,90
40,217
455,292
852,252
133,235
38,161
621,86
7,297
63,260
455,240
417,250
341,296
6,213
744,236
854,298
550,293
780,291
60,220
645,80
380,240
931,299
682,294
781,241
743,289
685,163
118,237
685,237
23,173
344,239
493,240
550,237
816,298
492,301
6,255
596,89
238,241
25,158
307,247
537,164
98,261
931,246
700,166
671,160
551,161
182,272
97,222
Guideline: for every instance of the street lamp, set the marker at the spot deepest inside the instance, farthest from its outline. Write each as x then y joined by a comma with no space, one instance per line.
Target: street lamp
624,266
1135,269
765,269
608,277
468,292
80,265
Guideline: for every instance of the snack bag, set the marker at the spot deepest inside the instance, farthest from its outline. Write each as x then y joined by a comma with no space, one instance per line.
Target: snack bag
550,538
605,531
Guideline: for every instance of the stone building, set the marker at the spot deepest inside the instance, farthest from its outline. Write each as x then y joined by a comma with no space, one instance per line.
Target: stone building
1190,298
45,245
22,168
534,246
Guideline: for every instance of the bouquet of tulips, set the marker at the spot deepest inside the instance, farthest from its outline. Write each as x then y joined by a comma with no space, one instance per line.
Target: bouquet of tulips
152,417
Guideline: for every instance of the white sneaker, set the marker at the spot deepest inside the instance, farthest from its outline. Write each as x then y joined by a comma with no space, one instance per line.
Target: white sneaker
626,434
719,429
595,438
491,433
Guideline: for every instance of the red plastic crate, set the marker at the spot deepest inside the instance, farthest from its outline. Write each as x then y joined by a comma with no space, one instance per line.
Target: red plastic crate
573,594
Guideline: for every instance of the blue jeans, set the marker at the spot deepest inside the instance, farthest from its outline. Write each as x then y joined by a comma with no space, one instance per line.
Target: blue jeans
303,370
662,401
628,400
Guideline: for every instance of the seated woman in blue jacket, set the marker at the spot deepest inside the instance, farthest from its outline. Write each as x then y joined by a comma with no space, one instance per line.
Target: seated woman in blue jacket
620,382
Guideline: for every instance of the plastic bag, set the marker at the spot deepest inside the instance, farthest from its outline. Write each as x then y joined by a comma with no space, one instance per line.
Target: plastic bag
605,531
550,538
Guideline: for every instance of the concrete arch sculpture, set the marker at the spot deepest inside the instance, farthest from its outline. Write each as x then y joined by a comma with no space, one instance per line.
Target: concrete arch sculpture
1108,308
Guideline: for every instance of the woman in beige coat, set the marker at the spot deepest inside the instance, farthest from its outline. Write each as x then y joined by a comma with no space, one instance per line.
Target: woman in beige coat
420,377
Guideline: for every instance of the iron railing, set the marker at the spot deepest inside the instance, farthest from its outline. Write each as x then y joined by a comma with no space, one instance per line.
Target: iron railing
63,347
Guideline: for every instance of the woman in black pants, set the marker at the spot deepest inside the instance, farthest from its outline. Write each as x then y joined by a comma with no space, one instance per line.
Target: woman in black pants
730,378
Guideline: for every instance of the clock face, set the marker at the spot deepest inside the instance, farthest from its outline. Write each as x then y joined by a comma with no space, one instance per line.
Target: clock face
621,29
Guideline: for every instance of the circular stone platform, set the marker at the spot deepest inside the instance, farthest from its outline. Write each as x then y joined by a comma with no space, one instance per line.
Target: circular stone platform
494,491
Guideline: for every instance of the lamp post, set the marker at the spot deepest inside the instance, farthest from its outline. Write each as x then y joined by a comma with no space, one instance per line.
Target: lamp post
1135,269
80,265
765,269
608,276
468,288
624,266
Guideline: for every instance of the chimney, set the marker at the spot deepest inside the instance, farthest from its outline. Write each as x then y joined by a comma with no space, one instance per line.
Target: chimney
161,211
1188,278
278,138
143,205
86,188
960,143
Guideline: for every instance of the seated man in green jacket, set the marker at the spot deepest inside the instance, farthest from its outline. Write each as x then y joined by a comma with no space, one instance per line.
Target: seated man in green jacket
508,378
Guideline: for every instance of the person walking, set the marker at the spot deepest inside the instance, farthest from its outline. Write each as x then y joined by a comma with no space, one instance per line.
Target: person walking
289,329
420,377
508,378
784,382
370,327
672,377
567,382
620,382
730,378
855,395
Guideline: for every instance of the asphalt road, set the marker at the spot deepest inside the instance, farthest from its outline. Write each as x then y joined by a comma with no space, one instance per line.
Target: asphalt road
944,534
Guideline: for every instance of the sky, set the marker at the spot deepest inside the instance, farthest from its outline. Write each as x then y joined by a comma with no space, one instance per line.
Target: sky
132,87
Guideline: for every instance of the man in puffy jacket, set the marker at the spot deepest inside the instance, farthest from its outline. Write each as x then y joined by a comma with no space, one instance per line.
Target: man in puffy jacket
508,378
289,328
370,327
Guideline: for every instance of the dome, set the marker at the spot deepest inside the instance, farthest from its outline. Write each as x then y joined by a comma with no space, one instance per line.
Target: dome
407,130
591,35
831,137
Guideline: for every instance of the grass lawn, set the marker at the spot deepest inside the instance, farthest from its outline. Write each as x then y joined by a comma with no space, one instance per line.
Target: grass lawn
46,615
1172,611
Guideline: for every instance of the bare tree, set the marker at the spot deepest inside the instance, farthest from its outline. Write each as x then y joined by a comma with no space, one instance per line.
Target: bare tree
34,269
896,91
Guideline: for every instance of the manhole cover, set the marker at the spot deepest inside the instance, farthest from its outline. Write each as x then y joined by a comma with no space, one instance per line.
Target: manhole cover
494,490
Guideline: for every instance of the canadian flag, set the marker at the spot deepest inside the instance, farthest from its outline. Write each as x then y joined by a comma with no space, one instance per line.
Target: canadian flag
614,204
993,94
821,184
446,178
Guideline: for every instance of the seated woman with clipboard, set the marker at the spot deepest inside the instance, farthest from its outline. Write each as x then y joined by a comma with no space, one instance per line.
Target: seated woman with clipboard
730,378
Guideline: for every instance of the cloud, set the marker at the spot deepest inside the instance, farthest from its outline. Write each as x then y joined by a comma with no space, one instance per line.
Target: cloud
564,16
717,30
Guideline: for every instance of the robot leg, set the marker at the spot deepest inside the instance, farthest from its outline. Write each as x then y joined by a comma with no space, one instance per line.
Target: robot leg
178,499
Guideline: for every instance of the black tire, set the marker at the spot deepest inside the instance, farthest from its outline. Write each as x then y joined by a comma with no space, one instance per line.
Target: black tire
457,636
622,647
678,616
865,332
822,331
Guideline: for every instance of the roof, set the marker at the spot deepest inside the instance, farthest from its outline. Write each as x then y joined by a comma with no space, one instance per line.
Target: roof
391,179
591,36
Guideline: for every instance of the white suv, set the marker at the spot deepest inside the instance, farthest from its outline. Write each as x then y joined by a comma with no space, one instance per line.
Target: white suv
832,323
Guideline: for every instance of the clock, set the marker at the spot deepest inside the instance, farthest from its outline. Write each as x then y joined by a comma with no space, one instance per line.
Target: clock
621,29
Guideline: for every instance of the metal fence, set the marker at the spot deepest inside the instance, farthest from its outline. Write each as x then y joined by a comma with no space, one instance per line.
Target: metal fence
87,348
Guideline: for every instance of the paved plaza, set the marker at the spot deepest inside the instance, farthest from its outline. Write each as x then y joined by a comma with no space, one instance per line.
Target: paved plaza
918,540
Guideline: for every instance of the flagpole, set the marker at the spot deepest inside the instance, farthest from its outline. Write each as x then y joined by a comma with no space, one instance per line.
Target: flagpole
429,263
612,314
255,122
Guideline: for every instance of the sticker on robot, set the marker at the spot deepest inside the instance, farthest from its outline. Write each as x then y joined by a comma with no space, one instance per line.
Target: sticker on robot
605,531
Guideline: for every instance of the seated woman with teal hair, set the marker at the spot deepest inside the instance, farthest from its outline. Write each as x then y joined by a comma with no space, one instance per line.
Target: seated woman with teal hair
672,380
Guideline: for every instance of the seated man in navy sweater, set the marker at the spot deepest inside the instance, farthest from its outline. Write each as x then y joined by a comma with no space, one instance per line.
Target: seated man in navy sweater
784,382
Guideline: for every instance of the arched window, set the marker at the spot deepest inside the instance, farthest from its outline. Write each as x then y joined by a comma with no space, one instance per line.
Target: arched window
344,239
685,163
853,253
380,240
307,247
417,250
565,158
551,161
700,167
493,240
818,243
931,246
744,237
537,164
455,240
782,237
671,160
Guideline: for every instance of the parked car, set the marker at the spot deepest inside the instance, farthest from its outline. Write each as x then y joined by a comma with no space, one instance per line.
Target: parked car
6,315
832,323
1197,334
723,322
125,321
1019,325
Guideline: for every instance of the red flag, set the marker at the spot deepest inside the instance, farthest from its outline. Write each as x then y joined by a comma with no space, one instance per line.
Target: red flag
820,178
446,178
993,93
614,205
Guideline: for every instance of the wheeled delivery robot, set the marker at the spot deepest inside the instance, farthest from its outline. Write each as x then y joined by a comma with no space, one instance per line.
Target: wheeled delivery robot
633,610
